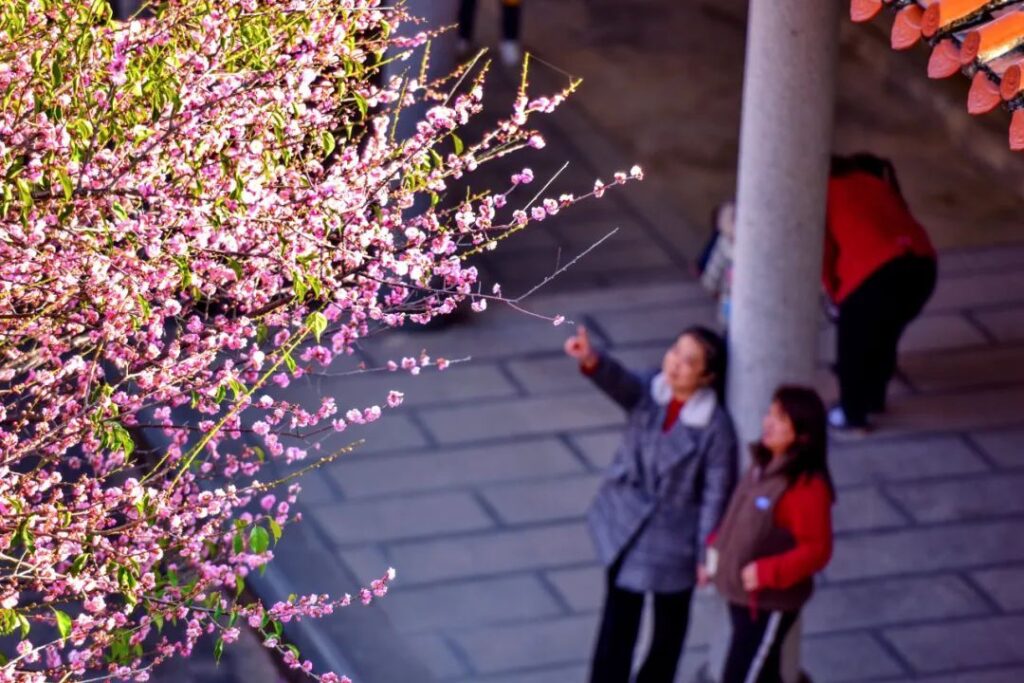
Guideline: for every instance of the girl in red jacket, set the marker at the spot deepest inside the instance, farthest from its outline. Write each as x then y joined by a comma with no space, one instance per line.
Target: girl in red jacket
775,536
879,271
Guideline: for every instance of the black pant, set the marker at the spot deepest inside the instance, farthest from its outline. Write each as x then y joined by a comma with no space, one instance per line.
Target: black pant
871,321
755,651
620,624
510,19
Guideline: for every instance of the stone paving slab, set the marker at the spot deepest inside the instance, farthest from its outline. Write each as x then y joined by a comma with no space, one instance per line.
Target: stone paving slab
557,674
1005,447
521,418
962,499
1005,585
455,468
970,368
968,410
434,651
407,517
864,508
940,332
892,601
496,553
520,646
1005,324
598,447
1000,675
582,588
560,375
470,603
903,459
847,657
660,325
952,546
977,642
985,289
963,261
548,500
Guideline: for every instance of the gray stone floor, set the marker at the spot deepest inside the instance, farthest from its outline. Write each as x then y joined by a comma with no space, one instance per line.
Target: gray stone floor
476,488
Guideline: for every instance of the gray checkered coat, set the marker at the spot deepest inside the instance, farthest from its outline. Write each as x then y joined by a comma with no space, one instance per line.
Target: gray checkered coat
664,492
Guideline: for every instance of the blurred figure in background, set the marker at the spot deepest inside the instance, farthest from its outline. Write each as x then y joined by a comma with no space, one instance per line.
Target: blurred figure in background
509,50
879,271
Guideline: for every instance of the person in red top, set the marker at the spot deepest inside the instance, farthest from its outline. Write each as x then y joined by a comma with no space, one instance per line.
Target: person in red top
879,271
775,536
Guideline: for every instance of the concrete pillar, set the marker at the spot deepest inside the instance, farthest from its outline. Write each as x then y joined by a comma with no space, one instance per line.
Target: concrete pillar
785,142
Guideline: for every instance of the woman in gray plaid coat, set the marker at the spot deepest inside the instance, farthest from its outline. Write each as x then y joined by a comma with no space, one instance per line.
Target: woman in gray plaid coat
662,496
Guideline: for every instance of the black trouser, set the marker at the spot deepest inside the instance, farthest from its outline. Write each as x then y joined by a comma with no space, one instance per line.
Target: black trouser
871,321
511,18
620,624
755,651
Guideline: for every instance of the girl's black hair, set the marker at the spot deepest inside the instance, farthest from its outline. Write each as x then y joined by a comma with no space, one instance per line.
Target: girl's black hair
805,410
865,162
714,355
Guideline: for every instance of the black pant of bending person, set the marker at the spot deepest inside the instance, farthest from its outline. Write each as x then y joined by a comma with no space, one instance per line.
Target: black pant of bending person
871,321
620,625
511,16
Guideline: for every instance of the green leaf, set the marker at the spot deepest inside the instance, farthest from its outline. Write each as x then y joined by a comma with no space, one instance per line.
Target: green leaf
236,266
25,626
158,619
438,161
239,586
259,540
65,182
63,623
79,564
290,362
119,211
327,140
275,530
238,544
459,146
8,621
218,650
361,104
317,324
144,306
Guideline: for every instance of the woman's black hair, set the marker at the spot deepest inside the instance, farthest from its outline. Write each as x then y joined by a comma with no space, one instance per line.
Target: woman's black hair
714,355
805,410
865,162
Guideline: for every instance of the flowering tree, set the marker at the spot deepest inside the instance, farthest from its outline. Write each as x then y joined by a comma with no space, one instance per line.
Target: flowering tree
195,206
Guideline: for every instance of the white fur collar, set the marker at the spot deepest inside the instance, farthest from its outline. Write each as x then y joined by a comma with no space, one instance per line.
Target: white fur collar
696,412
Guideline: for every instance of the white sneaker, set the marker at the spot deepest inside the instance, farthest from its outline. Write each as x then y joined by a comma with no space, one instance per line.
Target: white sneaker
510,53
841,426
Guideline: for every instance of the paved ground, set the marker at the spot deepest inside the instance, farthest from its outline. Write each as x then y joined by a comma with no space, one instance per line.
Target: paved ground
475,490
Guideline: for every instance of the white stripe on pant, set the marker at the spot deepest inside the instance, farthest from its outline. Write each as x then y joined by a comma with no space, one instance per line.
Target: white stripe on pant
766,645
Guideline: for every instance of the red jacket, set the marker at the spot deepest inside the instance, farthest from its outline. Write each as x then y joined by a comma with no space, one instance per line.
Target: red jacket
868,224
804,511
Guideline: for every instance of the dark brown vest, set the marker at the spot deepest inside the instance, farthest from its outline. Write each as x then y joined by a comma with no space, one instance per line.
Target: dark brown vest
748,532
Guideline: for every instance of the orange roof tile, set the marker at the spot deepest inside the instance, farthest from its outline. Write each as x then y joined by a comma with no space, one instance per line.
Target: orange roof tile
982,38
